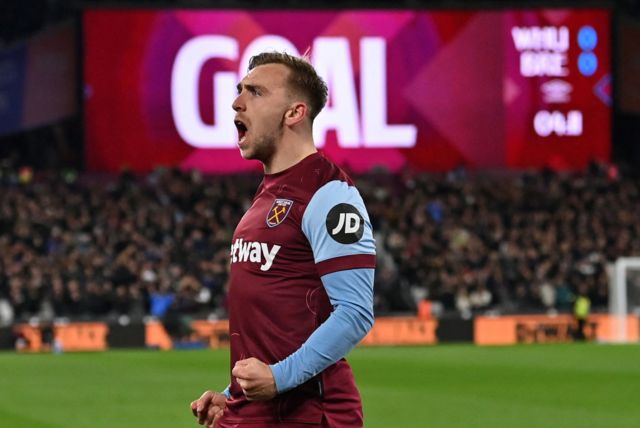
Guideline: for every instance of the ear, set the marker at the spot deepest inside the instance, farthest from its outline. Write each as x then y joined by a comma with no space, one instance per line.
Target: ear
296,113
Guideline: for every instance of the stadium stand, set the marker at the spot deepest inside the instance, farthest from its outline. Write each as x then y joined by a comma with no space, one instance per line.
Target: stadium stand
87,247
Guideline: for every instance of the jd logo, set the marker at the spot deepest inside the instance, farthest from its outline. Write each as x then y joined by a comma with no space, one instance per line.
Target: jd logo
345,224
349,222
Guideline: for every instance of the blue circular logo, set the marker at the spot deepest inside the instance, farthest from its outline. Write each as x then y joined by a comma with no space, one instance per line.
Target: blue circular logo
587,63
587,38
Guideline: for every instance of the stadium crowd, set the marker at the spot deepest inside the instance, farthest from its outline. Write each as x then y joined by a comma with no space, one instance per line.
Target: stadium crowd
86,247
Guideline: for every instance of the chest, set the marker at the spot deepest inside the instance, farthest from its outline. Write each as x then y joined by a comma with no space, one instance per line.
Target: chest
270,231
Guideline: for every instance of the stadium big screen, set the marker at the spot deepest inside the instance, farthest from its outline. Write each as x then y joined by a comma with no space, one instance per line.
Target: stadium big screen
431,90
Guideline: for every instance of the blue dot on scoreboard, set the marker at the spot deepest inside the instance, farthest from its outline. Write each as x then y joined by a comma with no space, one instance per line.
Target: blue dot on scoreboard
587,63
587,38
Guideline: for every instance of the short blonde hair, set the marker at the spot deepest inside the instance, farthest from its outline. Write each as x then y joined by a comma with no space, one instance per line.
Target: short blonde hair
303,78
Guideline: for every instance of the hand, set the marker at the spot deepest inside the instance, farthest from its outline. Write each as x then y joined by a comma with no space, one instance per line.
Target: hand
209,408
255,379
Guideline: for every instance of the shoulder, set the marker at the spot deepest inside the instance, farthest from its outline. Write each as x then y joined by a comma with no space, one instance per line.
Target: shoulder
331,186
322,171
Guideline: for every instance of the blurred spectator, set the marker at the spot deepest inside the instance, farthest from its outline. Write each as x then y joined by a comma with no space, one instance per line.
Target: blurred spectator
160,301
6,313
581,310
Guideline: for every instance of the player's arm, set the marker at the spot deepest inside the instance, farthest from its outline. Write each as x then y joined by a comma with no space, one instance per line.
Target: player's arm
338,228
350,293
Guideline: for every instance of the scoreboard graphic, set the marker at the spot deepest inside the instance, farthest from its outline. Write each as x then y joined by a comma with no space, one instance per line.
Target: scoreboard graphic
426,90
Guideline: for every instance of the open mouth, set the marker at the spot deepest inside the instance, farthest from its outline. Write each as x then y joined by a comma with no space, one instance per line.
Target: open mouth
242,130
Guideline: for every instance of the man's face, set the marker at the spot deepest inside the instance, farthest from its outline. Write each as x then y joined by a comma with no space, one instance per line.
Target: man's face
260,109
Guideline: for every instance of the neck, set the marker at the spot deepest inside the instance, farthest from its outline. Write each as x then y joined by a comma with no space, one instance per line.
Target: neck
291,149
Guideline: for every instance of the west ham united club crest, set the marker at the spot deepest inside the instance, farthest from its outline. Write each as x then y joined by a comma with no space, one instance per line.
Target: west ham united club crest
278,212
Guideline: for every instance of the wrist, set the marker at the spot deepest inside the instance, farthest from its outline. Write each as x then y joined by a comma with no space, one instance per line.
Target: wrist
278,377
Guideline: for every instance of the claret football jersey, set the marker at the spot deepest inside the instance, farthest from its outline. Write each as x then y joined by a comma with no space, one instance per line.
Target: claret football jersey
304,222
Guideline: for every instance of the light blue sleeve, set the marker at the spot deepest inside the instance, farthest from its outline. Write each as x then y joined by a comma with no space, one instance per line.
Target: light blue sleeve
351,294
336,223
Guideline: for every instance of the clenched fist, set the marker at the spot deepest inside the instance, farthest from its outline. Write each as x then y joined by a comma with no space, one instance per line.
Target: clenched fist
255,379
